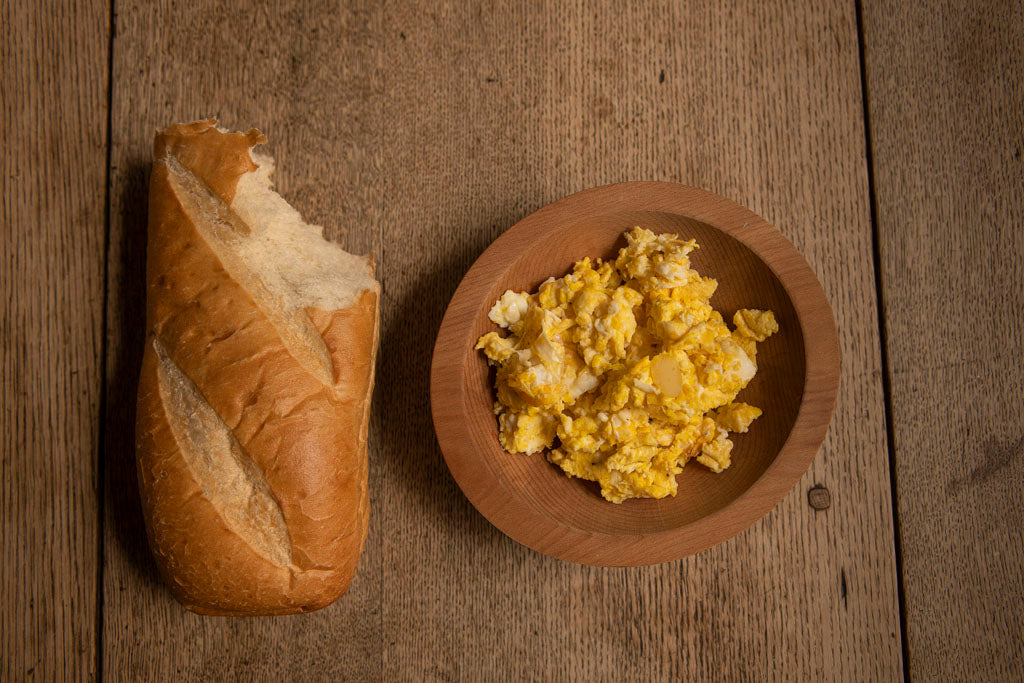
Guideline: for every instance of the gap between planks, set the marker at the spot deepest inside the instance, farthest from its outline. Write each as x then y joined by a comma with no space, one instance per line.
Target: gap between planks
876,260
104,339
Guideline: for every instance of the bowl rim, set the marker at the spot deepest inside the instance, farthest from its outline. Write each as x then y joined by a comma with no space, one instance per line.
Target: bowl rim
538,531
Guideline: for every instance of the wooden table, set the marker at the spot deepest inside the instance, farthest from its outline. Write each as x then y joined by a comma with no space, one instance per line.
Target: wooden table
883,138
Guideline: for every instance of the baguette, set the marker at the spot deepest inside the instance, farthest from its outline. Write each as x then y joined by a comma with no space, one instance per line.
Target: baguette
254,394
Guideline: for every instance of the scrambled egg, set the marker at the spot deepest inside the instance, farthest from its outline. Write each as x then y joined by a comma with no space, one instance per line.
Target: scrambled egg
624,370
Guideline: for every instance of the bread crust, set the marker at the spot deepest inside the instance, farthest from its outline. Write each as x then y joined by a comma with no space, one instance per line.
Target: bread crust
308,439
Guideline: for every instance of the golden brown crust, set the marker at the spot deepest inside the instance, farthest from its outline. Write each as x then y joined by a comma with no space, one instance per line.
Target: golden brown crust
219,159
308,439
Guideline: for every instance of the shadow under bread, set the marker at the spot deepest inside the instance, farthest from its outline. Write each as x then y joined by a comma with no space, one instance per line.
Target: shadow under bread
126,332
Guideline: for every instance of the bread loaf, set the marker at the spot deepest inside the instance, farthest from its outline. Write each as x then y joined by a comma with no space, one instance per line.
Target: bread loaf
255,388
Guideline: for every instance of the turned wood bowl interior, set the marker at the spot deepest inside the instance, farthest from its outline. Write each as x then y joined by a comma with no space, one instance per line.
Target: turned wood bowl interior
531,499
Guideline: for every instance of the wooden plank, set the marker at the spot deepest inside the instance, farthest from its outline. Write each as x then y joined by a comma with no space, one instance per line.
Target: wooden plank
305,75
423,131
492,113
54,94
947,115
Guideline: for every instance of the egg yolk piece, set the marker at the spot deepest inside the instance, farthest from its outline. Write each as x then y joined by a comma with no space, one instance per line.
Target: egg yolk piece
622,371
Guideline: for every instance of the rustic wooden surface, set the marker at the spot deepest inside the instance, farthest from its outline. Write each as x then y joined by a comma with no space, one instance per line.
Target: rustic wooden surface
489,116
422,131
54,97
947,129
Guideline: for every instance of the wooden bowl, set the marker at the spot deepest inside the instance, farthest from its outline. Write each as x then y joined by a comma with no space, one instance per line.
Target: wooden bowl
531,499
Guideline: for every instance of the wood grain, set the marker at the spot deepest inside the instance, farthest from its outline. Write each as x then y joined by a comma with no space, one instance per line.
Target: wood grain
947,132
796,384
422,131
491,113
54,94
